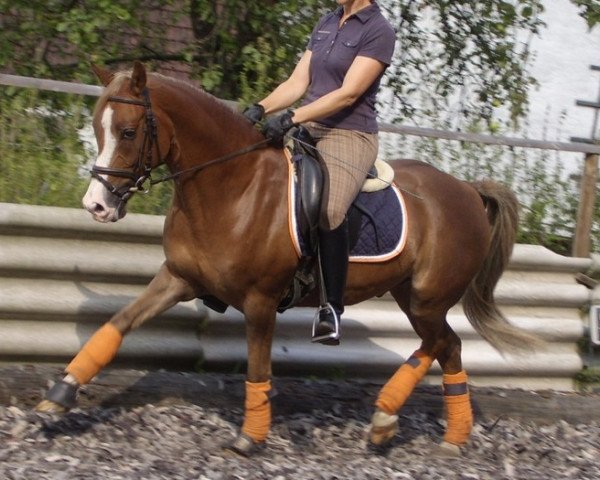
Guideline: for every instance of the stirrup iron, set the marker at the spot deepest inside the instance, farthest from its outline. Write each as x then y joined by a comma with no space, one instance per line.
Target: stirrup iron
331,338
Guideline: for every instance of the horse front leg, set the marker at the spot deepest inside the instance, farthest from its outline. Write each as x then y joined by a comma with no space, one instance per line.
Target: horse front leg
260,317
164,291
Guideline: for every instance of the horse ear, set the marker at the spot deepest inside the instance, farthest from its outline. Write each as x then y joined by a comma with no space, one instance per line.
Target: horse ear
103,75
138,78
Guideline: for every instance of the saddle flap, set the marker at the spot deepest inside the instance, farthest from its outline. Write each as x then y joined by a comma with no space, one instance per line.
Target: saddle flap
310,183
310,186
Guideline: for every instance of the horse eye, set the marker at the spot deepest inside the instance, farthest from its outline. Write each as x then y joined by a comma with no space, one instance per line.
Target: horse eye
128,134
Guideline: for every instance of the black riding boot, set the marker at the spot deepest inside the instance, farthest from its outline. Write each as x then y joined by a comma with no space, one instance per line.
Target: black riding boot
333,254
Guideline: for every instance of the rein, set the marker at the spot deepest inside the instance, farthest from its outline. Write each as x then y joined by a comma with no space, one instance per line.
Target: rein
224,158
143,167
142,170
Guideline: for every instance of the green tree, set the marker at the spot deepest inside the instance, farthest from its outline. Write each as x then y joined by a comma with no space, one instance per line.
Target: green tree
473,50
40,153
241,49
233,48
456,59
590,10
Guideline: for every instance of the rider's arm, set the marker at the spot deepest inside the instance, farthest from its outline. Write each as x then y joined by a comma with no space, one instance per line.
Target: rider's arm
361,75
292,89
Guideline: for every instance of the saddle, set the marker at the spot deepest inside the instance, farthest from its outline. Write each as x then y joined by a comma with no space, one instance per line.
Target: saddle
309,181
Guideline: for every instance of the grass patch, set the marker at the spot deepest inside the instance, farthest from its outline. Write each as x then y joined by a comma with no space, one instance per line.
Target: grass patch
588,379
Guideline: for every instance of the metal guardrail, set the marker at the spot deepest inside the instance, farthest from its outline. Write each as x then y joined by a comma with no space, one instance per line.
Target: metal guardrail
62,275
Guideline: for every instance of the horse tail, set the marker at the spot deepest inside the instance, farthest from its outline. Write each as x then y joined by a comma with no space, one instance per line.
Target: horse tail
479,305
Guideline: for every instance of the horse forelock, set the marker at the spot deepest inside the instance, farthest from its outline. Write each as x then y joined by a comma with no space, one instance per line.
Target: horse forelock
111,89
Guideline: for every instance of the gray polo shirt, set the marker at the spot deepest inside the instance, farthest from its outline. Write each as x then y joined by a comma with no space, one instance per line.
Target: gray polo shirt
366,33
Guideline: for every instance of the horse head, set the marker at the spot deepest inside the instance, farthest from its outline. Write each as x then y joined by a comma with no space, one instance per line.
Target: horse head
129,143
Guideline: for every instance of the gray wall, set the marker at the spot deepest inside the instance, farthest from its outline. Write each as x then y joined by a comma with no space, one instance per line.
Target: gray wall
62,275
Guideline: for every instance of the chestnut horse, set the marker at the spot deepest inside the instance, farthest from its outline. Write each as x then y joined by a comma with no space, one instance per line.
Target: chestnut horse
226,235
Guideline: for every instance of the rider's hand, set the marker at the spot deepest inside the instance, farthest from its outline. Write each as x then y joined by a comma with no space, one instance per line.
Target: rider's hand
254,113
275,128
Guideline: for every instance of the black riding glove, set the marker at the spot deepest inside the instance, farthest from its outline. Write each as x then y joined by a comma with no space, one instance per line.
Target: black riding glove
275,128
254,113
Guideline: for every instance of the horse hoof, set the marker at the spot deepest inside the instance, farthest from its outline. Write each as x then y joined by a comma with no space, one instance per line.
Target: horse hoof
381,436
447,450
47,406
244,446
383,428
61,398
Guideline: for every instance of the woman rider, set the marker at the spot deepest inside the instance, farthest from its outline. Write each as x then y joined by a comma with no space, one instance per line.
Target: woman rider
340,72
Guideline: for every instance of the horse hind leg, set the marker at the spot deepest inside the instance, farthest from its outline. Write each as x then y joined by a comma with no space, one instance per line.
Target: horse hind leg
393,395
163,292
439,342
399,387
446,347
455,390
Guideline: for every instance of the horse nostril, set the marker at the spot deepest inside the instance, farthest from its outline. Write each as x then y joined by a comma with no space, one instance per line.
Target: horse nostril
97,208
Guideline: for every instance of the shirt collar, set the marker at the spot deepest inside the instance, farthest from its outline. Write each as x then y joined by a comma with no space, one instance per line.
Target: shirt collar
364,14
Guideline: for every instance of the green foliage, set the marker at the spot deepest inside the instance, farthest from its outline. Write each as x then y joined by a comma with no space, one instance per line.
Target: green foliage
59,38
242,49
588,379
43,158
548,198
455,59
40,153
472,49
589,10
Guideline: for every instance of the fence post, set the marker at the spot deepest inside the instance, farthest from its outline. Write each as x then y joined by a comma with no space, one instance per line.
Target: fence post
585,212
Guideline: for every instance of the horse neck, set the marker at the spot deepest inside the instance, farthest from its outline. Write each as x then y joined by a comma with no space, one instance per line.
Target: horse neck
205,130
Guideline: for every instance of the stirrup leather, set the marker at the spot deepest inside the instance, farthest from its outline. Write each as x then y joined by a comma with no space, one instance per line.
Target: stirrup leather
331,336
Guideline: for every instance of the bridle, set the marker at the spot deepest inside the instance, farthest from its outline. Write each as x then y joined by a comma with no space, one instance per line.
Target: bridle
142,169
143,166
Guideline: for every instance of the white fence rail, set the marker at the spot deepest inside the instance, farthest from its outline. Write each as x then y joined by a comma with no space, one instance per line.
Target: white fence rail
62,275
93,90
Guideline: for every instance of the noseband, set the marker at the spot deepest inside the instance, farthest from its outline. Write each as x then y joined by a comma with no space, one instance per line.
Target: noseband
143,166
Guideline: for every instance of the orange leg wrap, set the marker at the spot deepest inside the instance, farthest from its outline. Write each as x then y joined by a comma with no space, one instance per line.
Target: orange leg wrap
458,408
257,421
99,350
395,392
